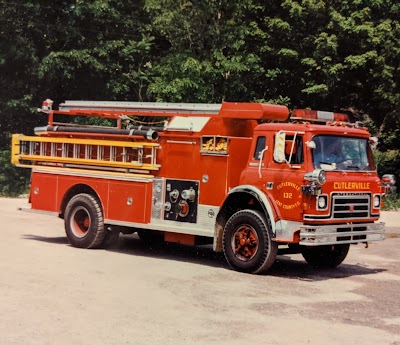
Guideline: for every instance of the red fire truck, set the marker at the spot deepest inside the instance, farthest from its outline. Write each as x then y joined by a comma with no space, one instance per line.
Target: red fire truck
235,175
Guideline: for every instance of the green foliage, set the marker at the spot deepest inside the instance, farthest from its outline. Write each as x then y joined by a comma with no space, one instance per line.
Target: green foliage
388,162
13,181
208,58
320,54
392,202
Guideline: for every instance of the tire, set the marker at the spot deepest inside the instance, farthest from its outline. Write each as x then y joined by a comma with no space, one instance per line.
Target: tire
247,242
84,222
325,256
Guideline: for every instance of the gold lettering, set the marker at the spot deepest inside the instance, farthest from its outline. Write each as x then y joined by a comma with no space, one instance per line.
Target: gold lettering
351,185
289,184
287,195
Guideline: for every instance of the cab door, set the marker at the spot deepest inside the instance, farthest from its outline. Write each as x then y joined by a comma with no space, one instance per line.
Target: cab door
284,173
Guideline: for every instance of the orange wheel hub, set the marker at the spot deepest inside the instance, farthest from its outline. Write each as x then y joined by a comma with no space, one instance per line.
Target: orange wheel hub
245,242
80,221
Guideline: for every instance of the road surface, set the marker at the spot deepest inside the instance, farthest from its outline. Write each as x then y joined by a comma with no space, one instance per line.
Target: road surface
52,293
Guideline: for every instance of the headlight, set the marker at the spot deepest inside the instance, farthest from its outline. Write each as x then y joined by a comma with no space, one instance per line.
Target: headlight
322,202
318,175
321,177
377,201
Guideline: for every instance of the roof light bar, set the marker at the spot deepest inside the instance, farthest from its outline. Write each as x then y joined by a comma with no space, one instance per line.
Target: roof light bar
318,115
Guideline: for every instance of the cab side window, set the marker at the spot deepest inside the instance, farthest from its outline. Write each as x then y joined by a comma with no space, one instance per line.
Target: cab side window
297,153
261,141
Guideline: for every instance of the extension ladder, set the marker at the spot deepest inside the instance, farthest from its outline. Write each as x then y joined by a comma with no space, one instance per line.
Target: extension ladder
111,155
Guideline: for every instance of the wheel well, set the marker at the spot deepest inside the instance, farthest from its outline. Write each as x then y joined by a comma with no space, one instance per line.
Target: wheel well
77,189
235,202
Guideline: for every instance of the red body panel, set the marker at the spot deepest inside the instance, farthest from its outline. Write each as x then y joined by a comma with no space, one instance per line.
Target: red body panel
182,156
129,201
286,194
113,194
44,192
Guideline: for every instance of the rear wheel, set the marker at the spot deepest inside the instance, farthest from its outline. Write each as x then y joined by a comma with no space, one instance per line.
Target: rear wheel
325,256
84,222
247,242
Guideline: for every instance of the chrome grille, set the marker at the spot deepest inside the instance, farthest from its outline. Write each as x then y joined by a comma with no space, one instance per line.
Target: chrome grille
351,206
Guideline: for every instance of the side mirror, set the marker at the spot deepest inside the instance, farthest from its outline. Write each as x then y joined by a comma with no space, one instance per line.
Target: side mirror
311,144
373,141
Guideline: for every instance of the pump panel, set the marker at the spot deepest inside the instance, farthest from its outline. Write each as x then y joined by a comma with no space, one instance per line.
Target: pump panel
181,200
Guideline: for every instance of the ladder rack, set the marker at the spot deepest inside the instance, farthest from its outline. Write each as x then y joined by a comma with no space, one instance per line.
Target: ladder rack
121,110
146,107
111,155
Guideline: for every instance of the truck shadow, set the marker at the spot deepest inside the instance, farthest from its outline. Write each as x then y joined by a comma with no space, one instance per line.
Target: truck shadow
293,266
55,240
203,255
296,267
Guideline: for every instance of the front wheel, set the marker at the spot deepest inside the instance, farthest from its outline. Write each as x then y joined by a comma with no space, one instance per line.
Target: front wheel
247,242
84,222
325,256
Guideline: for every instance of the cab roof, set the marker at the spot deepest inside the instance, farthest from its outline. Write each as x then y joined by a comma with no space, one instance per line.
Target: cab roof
338,129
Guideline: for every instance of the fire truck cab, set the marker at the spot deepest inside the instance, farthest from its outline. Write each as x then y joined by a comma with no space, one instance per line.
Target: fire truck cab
209,174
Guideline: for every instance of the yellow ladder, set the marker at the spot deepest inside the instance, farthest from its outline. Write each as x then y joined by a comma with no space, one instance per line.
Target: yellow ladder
112,155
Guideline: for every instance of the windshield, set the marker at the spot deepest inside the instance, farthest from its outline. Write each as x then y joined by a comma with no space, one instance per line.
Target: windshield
342,153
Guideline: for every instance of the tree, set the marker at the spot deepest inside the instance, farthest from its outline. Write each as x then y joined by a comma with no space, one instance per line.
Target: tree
321,54
97,49
205,55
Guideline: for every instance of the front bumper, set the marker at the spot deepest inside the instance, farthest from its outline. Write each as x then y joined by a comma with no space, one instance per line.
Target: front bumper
316,235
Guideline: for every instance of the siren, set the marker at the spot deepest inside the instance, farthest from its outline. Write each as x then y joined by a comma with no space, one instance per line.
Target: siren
47,105
318,115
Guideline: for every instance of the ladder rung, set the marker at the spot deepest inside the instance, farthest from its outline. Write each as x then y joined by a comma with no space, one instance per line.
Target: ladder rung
63,160
133,144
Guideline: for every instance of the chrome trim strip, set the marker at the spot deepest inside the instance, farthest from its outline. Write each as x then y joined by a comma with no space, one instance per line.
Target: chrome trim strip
181,142
90,174
163,226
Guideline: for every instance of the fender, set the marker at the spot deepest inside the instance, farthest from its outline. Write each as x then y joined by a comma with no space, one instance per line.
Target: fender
282,230
262,198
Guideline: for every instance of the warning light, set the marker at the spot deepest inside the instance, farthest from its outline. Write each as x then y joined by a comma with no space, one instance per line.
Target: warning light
318,115
47,105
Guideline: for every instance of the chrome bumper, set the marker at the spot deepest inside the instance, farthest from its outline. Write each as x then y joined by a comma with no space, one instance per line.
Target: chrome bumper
316,235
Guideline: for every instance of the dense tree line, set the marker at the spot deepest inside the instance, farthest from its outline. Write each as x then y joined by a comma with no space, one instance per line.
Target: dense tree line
322,54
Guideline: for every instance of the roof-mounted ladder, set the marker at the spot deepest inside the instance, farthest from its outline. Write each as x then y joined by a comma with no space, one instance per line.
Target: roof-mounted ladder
145,107
120,156
117,110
